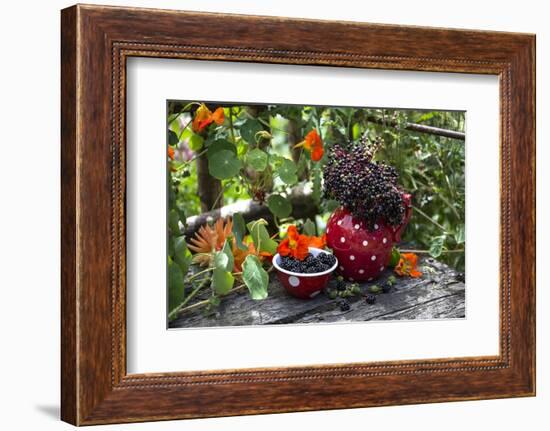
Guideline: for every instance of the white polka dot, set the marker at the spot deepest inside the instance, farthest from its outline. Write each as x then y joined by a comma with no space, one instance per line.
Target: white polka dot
361,271
352,257
365,243
314,294
373,258
328,230
384,240
341,268
350,279
342,239
339,223
356,226
294,281
375,226
381,268
370,279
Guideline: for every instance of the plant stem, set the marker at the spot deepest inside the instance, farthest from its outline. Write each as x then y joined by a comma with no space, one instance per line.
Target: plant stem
265,123
183,130
220,194
206,301
176,311
231,129
195,275
427,217
460,250
183,110
195,157
182,309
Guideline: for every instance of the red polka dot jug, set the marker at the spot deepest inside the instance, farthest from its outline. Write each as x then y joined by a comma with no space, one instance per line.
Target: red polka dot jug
363,254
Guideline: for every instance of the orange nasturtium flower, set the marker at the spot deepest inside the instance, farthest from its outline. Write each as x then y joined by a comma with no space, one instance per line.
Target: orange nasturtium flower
318,241
204,117
171,152
313,144
407,265
296,245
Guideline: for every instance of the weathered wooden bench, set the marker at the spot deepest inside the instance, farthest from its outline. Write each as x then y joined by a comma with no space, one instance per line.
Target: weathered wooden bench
438,294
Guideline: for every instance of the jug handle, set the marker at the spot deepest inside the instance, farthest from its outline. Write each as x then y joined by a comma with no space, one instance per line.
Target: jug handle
398,230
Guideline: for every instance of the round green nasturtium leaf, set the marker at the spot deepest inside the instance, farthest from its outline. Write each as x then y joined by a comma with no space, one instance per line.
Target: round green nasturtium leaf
257,159
223,164
394,259
196,142
279,206
249,129
287,172
220,145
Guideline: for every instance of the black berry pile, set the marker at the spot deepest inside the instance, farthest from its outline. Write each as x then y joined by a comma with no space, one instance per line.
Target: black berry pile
367,188
310,265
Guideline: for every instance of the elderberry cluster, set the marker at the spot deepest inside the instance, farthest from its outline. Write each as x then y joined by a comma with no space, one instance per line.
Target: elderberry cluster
310,265
367,188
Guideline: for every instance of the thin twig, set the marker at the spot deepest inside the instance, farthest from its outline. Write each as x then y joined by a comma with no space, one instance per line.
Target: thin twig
422,213
176,311
207,301
460,250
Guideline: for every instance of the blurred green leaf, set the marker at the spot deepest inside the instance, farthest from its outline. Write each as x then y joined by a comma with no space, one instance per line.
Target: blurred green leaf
255,277
226,249
436,247
173,222
309,228
249,129
287,172
219,145
172,138
196,142
257,159
182,255
239,230
394,258
260,236
460,234
223,164
222,281
175,285
279,205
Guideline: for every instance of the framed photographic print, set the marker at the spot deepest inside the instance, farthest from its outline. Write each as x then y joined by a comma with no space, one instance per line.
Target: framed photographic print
317,215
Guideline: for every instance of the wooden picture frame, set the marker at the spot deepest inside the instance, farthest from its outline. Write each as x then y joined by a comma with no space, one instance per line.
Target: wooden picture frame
95,43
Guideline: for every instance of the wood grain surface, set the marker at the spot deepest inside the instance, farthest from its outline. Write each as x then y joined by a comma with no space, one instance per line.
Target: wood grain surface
438,294
95,43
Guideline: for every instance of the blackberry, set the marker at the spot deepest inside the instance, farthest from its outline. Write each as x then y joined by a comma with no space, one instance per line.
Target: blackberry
344,305
367,188
386,288
310,265
371,299
327,259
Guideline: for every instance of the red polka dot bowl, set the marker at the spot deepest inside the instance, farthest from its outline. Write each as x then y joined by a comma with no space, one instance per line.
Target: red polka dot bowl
363,254
303,286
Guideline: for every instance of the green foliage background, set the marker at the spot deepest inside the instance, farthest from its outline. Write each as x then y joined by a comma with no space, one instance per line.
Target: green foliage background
253,157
